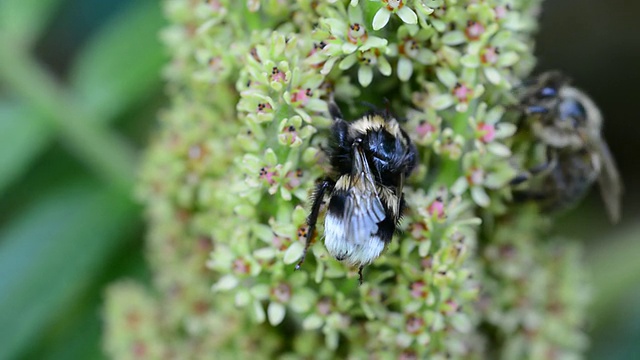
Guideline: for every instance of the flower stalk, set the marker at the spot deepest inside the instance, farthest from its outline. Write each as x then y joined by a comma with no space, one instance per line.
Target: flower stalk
227,179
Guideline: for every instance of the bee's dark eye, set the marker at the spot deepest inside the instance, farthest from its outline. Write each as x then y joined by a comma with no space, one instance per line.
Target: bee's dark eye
383,145
572,109
389,144
548,92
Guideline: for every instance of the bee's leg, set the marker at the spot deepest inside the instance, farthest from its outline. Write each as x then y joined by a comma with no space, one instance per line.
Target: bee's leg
536,110
519,179
549,164
318,197
360,279
521,196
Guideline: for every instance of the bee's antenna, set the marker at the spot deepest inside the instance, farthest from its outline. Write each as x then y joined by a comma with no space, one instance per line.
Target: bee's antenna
334,110
387,104
387,108
369,105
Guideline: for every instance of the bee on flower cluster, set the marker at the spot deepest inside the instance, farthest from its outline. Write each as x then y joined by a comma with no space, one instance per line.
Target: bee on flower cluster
568,124
370,159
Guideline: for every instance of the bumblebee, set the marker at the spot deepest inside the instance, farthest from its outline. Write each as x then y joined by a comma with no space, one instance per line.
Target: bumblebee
370,159
568,124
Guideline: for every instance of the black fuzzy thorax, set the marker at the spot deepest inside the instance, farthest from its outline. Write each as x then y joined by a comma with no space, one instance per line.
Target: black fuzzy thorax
388,156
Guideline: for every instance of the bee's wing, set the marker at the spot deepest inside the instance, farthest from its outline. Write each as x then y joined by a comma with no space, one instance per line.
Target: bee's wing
363,208
610,183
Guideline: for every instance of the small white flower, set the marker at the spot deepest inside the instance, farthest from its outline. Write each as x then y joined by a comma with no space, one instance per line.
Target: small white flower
393,6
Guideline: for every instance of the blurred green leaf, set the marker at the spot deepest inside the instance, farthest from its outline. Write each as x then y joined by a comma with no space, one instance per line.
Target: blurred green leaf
23,136
105,152
615,271
78,333
83,343
51,253
121,64
25,19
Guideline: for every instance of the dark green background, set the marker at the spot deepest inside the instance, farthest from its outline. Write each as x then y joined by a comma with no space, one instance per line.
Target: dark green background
79,89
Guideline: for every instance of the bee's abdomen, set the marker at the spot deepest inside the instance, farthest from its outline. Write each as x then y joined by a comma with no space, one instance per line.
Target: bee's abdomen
568,182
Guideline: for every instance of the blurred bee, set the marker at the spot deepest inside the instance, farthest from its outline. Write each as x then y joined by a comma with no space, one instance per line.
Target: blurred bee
568,124
370,159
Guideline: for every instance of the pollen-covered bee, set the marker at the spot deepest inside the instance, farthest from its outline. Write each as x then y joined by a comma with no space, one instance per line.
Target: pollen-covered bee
568,124
370,158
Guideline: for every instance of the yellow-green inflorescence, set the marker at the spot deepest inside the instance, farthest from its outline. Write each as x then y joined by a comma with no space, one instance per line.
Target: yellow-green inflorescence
227,178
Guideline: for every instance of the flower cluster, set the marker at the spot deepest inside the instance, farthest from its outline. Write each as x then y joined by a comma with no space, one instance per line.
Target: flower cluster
227,179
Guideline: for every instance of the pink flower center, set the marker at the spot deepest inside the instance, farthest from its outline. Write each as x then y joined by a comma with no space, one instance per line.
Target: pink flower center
215,5
215,64
414,324
501,11
301,97
410,48
417,231
436,208
324,306
487,132
277,75
452,307
490,55
317,47
240,266
418,290
368,58
282,293
263,107
303,231
280,243
462,92
393,5
476,177
293,179
474,30
424,129
290,134
356,33
268,175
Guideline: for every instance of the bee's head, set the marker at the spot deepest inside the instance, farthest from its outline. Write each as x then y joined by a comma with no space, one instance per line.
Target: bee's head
573,123
542,90
578,110
562,116
382,139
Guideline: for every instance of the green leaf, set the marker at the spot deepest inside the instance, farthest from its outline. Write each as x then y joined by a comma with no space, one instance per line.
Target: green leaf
51,253
23,136
25,19
121,64
80,342
105,152
615,271
78,332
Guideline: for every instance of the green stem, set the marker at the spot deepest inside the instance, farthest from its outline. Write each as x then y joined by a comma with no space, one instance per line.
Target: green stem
105,153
